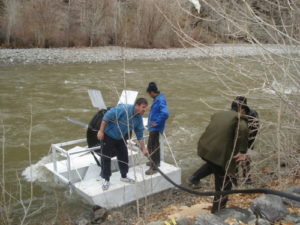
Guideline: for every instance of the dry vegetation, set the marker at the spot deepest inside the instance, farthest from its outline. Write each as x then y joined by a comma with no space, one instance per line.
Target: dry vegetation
57,23
139,23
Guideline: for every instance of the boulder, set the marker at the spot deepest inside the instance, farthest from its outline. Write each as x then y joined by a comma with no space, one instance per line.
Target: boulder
293,190
269,207
82,221
295,219
208,219
261,221
184,221
237,213
83,218
100,215
258,221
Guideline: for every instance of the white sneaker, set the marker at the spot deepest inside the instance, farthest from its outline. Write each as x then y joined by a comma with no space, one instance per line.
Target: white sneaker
105,185
127,180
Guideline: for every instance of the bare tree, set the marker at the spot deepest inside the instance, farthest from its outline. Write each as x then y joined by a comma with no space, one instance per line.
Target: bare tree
44,18
94,17
10,16
149,20
68,21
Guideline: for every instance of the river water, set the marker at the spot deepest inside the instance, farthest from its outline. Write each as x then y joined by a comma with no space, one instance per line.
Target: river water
49,93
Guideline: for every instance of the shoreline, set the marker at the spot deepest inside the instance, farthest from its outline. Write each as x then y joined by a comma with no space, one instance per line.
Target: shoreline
115,53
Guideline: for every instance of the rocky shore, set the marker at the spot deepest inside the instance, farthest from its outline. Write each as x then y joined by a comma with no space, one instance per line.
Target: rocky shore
263,210
104,54
180,208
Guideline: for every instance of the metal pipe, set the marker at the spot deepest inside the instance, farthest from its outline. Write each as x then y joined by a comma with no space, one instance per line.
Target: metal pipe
69,166
71,142
85,150
61,150
54,160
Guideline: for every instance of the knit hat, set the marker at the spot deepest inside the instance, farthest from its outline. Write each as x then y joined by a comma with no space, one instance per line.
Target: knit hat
152,87
240,101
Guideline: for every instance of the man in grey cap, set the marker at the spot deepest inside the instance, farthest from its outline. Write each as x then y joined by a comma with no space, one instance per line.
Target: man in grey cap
253,126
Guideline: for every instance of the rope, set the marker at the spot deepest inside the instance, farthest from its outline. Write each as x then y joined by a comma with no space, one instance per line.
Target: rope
170,149
97,161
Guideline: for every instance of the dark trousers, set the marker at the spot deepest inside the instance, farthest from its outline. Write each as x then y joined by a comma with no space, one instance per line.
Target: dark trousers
222,182
153,147
111,148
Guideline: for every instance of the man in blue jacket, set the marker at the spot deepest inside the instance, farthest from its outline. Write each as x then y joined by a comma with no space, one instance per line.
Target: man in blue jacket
115,125
156,125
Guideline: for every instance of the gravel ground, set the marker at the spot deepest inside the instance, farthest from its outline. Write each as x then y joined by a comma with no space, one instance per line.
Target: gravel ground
103,54
150,209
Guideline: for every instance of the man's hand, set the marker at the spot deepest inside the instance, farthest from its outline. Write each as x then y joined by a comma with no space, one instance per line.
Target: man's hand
100,135
153,124
143,148
240,157
145,151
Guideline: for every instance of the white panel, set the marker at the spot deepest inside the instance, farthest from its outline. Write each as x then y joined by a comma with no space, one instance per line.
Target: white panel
145,122
128,97
96,99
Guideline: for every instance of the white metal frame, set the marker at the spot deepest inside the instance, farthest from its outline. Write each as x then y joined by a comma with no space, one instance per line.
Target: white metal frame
57,148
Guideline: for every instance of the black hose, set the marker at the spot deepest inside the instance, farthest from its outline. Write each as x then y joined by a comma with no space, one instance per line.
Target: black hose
95,158
246,191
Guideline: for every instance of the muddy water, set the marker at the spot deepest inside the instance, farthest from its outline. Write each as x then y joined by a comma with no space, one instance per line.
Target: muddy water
49,93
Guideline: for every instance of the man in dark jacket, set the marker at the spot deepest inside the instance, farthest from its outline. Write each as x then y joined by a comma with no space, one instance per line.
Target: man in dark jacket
253,126
221,146
115,125
156,124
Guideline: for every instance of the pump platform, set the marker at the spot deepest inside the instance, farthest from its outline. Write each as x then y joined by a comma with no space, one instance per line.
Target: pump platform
80,170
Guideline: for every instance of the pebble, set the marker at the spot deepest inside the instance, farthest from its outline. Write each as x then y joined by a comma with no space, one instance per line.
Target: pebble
110,53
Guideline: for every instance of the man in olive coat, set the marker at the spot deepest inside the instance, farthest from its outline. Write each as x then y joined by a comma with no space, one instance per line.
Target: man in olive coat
222,146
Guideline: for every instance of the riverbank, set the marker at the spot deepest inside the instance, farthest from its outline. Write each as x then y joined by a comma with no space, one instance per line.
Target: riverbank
110,53
187,208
